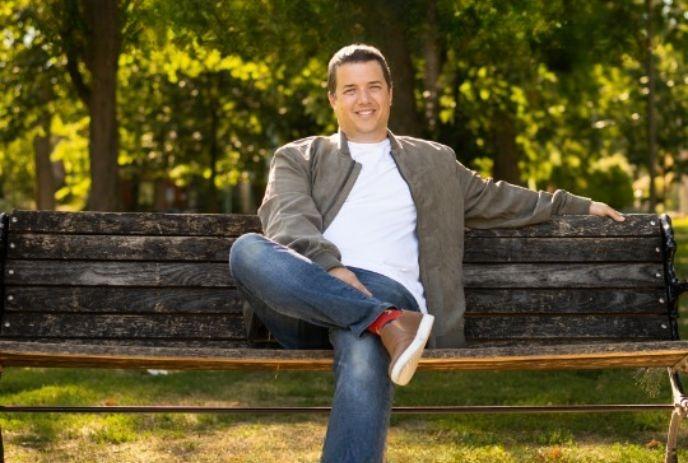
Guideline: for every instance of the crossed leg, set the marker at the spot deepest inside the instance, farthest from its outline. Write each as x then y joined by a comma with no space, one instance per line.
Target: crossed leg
301,304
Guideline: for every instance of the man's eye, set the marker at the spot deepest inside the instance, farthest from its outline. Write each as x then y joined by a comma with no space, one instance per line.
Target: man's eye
349,91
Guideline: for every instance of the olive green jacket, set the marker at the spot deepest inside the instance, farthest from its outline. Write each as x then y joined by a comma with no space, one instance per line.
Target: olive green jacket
310,179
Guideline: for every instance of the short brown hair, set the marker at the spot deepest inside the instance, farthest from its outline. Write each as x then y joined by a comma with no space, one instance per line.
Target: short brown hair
356,53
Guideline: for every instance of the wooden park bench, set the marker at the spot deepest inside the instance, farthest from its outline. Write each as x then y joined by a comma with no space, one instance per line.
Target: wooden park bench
142,290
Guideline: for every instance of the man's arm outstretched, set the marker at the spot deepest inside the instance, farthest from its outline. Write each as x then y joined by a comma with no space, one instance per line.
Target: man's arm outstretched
490,204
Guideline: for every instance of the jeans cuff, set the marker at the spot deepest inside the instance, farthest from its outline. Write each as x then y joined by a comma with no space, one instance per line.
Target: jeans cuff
360,327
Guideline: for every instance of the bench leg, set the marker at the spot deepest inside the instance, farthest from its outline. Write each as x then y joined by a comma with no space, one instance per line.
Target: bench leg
2,445
679,413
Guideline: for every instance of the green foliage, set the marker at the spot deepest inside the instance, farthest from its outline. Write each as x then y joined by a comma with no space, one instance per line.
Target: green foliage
207,90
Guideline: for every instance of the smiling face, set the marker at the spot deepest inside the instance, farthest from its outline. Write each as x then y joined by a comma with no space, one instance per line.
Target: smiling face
362,101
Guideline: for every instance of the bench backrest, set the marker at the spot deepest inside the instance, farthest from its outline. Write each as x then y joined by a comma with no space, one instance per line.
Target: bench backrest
163,279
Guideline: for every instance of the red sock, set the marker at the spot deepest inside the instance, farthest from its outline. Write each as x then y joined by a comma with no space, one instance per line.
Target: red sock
384,318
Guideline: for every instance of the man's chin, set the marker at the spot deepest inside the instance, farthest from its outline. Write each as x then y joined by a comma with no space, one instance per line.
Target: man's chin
369,129
367,136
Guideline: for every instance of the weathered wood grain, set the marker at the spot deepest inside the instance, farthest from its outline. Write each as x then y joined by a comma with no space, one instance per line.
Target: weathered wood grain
216,249
162,280
123,300
69,325
120,247
133,223
515,342
273,344
580,226
565,275
572,326
90,273
599,249
139,223
228,301
557,301
201,326
94,273
179,343
524,357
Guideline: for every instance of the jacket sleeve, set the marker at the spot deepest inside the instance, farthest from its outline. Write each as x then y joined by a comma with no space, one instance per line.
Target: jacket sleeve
288,213
489,204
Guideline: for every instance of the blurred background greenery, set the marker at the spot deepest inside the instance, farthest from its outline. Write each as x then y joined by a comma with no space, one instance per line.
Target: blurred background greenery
177,106
155,105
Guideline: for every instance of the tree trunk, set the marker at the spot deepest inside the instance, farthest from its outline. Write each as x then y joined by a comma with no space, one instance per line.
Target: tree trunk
213,199
161,198
506,150
103,21
247,203
45,180
431,51
389,35
651,121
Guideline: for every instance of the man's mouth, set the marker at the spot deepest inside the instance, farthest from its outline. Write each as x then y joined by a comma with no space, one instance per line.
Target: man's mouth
365,113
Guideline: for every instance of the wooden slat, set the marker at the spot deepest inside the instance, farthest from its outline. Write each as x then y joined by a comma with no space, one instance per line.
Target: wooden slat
133,223
563,275
182,343
216,249
580,226
95,325
177,343
525,357
80,273
3,248
483,249
586,326
228,301
70,325
119,247
123,300
138,223
557,301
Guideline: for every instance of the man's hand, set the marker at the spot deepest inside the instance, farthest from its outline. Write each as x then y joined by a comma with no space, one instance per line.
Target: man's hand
601,209
349,277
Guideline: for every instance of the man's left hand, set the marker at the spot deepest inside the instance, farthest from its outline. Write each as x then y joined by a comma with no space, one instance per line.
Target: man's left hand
601,209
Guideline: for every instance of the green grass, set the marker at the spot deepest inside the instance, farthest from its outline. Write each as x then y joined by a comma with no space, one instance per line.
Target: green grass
621,437
207,437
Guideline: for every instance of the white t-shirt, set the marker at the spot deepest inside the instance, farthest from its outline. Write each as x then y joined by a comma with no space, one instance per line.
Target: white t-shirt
376,227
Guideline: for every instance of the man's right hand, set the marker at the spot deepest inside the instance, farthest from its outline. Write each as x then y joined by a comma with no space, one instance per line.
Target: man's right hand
349,277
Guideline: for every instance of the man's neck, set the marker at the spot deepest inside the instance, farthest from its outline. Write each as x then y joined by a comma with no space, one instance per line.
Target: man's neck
368,143
372,138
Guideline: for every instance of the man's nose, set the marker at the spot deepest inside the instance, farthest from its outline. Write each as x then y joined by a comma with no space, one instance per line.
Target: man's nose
363,96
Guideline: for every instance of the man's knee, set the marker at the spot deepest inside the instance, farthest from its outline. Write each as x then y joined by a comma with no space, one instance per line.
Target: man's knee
243,255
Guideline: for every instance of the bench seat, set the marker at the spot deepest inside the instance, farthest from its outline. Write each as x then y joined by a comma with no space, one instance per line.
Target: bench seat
595,355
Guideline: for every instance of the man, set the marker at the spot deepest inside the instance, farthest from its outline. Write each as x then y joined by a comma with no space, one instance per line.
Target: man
363,248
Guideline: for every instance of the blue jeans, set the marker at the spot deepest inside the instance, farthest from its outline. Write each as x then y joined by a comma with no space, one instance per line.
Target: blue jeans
305,307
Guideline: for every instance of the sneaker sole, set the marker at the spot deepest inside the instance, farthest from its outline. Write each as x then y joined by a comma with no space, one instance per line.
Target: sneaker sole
403,369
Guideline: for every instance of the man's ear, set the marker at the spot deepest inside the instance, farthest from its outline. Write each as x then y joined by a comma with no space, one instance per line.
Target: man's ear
333,98
391,95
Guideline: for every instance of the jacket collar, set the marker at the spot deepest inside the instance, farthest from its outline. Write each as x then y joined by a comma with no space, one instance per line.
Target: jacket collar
343,144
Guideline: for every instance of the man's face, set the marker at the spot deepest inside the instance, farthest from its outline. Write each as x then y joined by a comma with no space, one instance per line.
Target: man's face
362,101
